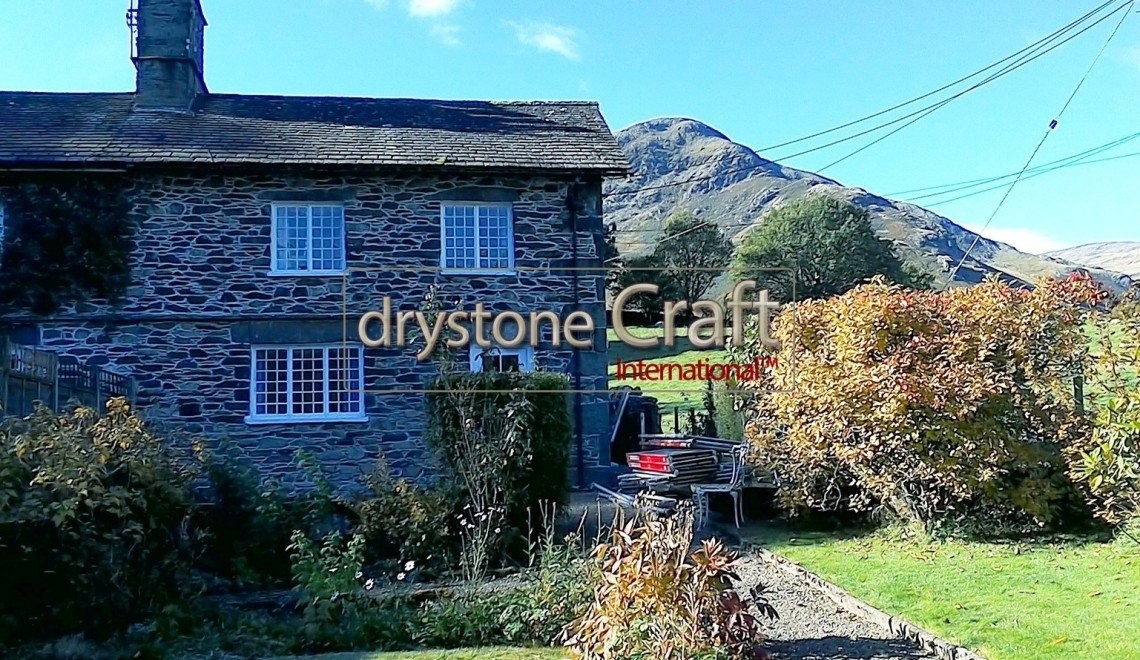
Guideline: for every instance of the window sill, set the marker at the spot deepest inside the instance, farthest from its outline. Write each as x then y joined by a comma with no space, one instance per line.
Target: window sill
306,273
316,419
478,271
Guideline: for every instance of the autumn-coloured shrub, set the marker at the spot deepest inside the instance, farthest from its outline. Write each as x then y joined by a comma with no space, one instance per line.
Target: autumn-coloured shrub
657,600
1106,462
947,408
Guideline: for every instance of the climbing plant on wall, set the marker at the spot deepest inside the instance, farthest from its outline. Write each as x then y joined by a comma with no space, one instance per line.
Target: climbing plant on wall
66,239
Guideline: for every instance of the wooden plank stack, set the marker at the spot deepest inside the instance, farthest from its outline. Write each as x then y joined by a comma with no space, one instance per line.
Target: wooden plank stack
681,466
715,444
674,461
666,442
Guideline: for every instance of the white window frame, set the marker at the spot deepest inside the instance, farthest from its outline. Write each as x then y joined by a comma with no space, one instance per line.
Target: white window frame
508,270
309,206
525,354
303,418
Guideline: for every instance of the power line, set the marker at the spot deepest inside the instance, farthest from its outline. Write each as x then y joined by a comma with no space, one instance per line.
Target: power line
931,109
1073,160
940,89
1021,61
1036,174
635,230
962,185
1052,125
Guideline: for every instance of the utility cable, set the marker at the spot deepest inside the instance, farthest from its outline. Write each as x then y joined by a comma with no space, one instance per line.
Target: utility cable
931,109
1024,56
943,88
963,185
1052,126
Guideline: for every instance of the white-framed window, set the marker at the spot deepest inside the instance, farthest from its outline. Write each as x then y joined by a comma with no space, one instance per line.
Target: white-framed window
476,237
498,358
306,383
308,239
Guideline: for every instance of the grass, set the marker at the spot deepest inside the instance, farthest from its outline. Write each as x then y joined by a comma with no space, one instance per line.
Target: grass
489,653
1071,600
619,349
684,395
679,395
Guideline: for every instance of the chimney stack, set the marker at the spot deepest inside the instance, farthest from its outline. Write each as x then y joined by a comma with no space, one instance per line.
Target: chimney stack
169,54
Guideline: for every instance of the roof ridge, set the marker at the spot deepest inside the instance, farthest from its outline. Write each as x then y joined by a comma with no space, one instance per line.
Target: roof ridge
239,95
91,127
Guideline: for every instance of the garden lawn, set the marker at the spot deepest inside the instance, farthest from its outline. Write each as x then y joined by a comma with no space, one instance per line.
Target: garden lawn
489,653
681,394
1077,599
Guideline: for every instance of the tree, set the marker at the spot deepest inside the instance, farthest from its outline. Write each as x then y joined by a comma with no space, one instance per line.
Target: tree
686,260
825,245
646,269
694,252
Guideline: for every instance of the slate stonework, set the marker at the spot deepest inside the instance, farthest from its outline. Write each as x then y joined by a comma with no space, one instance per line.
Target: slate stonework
202,294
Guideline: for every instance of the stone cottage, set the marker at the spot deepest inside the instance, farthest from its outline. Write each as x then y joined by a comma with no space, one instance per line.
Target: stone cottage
265,225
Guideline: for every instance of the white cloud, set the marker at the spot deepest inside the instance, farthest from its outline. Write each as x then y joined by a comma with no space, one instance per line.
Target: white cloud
1026,240
548,37
431,8
446,33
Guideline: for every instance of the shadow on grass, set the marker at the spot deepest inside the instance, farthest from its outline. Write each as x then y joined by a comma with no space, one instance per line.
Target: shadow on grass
843,648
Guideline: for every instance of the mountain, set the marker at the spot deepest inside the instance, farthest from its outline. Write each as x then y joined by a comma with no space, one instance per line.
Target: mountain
730,184
1120,256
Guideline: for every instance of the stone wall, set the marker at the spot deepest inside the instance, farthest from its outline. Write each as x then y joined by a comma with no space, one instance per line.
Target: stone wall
202,294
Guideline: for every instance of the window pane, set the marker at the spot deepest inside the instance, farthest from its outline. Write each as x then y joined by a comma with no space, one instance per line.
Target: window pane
271,382
328,237
308,381
459,237
344,380
494,237
504,363
291,225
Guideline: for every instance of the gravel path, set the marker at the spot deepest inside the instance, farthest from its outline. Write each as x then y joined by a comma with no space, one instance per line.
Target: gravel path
812,627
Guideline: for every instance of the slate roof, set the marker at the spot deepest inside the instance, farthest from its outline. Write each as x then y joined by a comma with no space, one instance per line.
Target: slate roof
52,129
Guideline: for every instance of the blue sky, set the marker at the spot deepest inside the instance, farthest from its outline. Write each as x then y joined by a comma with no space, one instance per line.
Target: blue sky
761,72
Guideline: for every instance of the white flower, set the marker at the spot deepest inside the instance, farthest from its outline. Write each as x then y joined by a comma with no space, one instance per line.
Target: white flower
369,583
409,566
400,576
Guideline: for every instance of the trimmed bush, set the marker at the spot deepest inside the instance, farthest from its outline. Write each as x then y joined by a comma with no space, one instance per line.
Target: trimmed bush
945,408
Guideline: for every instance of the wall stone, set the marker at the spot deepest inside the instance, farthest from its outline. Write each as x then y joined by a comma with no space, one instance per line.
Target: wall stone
202,294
